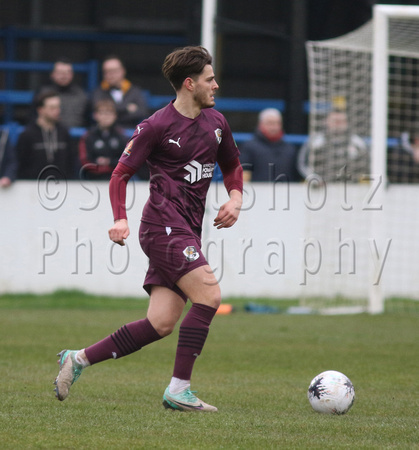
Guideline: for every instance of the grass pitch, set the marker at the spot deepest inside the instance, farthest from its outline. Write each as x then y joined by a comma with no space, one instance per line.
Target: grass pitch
255,368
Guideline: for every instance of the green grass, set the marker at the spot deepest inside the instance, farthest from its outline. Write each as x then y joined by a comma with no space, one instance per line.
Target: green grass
255,367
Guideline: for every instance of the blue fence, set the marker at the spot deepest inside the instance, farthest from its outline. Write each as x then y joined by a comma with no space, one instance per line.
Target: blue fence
15,129
224,103
90,68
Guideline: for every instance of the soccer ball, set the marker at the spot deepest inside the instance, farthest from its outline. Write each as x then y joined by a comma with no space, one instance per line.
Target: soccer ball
331,392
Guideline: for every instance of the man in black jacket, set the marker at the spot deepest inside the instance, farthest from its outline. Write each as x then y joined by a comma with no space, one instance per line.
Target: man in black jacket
267,157
45,144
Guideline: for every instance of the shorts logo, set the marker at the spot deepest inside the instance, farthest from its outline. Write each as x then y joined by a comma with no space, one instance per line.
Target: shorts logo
127,150
198,171
218,135
190,253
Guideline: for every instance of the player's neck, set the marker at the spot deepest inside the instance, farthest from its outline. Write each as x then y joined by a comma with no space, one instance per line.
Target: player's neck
186,107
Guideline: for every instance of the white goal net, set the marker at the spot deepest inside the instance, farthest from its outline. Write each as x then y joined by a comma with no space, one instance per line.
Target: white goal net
362,161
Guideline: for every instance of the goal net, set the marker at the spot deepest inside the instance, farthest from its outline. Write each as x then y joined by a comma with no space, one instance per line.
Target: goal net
361,163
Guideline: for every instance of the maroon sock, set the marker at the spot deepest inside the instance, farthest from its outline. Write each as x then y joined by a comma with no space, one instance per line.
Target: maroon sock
128,339
192,335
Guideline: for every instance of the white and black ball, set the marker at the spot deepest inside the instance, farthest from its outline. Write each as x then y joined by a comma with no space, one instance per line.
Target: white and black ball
331,392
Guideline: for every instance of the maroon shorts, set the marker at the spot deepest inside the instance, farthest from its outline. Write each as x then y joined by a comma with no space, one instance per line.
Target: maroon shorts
172,253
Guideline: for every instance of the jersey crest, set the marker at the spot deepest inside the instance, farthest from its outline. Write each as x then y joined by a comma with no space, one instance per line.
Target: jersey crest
218,135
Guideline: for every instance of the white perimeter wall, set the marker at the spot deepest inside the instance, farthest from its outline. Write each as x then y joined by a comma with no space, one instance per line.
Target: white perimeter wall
290,241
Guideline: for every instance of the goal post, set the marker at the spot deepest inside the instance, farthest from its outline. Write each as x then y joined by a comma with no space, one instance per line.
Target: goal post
380,68
382,16
369,80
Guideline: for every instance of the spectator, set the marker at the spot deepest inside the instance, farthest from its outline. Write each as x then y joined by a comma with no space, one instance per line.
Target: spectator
267,157
101,147
403,160
45,142
130,102
74,100
8,162
336,154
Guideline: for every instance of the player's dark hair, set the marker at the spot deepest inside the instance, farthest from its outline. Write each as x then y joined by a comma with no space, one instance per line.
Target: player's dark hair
183,63
44,95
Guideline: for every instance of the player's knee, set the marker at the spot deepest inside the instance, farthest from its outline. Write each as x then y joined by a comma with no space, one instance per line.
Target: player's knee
165,328
212,299
216,301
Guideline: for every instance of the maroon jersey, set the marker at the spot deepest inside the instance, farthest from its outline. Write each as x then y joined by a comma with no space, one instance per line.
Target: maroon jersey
181,154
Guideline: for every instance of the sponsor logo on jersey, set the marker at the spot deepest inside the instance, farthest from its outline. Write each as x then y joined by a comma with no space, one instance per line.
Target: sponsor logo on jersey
197,171
127,150
139,129
190,253
218,135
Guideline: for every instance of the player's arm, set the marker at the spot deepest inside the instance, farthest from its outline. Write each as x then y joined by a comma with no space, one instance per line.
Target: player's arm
117,193
133,157
233,181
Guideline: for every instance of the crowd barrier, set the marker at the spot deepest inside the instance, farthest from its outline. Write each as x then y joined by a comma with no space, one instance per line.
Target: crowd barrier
57,239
